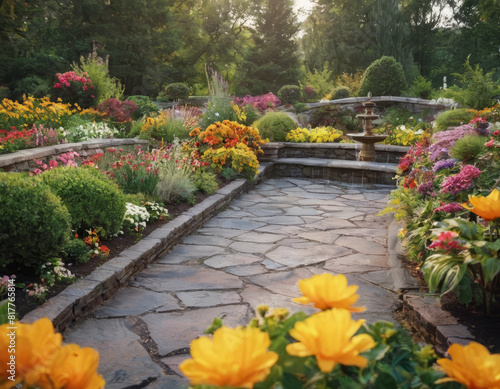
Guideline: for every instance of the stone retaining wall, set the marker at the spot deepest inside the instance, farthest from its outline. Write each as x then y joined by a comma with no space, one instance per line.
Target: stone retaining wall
342,151
24,160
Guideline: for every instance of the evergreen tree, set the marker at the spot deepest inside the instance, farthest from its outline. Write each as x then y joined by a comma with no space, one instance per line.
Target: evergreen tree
273,60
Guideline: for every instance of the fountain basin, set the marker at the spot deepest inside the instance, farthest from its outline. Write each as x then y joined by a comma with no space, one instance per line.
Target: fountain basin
367,138
367,152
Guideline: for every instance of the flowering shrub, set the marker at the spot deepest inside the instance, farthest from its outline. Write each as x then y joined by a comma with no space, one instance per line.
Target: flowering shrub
74,89
240,158
94,243
116,110
135,217
402,136
42,361
99,130
328,349
262,102
460,254
14,140
315,135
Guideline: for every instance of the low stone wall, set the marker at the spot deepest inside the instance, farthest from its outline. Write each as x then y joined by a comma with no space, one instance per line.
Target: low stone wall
24,160
348,172
342,151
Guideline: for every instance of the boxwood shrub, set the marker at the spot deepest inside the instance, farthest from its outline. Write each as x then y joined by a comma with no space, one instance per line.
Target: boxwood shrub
275,126
92,199
34,224
384,77
289,94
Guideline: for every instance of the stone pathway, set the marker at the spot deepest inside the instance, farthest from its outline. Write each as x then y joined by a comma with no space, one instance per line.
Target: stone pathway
252,253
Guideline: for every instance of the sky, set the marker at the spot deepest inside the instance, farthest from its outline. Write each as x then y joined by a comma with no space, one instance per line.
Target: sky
305,5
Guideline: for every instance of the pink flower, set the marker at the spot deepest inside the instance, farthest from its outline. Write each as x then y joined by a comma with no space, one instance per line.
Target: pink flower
92,95
490,143
58,86
120,150
496,133
36,172
461,181
84,87
447,241
53,164
111,149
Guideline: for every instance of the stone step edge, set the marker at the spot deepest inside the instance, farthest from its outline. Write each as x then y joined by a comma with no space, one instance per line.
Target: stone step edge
339,163
86,294
437,326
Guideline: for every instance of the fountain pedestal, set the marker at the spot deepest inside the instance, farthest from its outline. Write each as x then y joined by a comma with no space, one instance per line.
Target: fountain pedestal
368,138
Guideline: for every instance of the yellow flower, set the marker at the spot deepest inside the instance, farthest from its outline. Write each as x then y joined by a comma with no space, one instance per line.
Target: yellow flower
487,207
329,336
235,358
472,366
328,291
35,345
73,368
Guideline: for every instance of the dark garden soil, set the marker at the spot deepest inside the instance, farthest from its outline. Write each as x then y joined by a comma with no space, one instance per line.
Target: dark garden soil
116,245
486,329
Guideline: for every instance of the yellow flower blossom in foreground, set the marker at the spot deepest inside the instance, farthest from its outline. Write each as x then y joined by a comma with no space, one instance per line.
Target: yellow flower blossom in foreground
35,345
235,357
329,336
487,207
472,366
328,291
73,368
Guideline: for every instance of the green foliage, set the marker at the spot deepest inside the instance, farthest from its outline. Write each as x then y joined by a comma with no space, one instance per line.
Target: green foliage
252,115
275,126
177,91
478,88
384,77
320,81
91,198
4,92
75,250
175,185
105,86
289,94
419,88
396,116
341,92
218,109
453,118
205,180
145,106
31,86
468,148
34,224
300,107
333,116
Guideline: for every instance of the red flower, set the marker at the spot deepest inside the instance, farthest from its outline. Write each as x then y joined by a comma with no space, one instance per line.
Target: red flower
496,133
58,86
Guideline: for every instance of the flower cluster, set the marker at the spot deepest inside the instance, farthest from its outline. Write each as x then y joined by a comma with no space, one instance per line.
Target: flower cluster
66,159
426,188
444,140
402,136
73,88
135,217
14,140
93,241
4,284
94,130
315,135
461,181
444,164
449,208
42,361
116,110
66,79
447,241
262,102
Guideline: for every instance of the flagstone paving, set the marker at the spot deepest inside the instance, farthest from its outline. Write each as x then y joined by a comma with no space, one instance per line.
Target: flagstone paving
252,253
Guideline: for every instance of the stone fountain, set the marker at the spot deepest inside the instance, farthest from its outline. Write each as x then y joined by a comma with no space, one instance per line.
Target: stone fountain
368,138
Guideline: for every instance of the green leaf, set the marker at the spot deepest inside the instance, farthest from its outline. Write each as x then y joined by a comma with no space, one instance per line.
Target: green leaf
463,289
491,268
384,381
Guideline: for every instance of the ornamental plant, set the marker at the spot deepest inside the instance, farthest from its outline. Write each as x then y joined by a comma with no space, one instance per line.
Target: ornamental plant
262,102
328,349
42,361
116,110
74,89
315,135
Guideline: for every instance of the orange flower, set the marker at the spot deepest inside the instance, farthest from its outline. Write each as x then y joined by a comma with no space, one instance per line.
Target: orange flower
328,291
486,207
472,366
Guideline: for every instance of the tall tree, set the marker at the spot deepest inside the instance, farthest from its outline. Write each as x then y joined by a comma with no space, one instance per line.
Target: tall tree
273,60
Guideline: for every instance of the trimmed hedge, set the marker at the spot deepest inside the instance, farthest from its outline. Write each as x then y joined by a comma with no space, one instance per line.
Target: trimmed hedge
384,77
275,126
34,224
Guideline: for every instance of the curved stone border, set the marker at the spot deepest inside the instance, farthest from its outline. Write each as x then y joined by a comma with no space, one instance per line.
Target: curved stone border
82,297
23,160
438,327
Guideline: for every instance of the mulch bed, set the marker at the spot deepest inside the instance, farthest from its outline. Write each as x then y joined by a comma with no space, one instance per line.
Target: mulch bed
484,328
116,246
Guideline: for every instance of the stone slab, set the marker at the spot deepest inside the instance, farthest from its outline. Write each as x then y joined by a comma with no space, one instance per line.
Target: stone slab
283,282
123,361
330,223
255,237
251,248
363,246
237,224
133,301
185,252
204,240
292,256
244,271
175,330
171,278
206,298
236,259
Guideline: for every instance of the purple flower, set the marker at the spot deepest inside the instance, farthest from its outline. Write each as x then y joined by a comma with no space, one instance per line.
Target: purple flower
449,208
461,181
444,140
444,164
426,189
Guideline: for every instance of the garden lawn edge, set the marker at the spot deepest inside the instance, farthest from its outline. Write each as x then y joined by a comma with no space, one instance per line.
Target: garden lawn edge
87,294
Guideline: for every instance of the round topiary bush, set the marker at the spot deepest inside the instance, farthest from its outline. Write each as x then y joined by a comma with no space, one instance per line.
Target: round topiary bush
341,92
289,94
177,91
468,148
453,118
92,200
275,126
34,224
384,77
